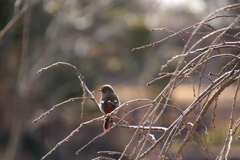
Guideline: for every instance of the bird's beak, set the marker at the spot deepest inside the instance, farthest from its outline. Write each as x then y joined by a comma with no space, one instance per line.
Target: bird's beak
99,89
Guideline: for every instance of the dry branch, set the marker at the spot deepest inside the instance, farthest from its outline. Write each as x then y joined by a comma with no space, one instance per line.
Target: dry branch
193,59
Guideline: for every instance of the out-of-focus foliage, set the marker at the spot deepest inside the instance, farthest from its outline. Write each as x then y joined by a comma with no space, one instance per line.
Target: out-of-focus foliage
97,38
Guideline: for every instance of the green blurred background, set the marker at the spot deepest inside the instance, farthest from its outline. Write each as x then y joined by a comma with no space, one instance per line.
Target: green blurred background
96,36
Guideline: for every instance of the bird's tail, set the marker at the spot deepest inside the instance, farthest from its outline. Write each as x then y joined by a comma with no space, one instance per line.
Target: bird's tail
106,125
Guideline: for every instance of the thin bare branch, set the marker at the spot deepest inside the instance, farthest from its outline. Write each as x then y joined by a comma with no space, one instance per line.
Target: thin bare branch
14,20
57,105
114,152
152,128
72,133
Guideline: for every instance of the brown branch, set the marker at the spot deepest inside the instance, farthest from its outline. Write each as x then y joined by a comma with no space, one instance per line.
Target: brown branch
13,20
72,133
147,128
205,93
83,84
157,106
114,152
57,105
229,79
227,146
100,135
209,18
103,157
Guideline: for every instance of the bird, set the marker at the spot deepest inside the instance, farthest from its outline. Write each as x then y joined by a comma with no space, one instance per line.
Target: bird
109,101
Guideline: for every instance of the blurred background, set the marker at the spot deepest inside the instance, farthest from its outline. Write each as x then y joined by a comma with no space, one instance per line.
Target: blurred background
97,37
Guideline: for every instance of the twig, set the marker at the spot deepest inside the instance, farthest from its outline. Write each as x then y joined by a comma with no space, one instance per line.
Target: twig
100,135
152,128
57,105
83,84
174,33
114,152
232,78
72,133
13,20
187,28
81,78
186,112
226,148
103,157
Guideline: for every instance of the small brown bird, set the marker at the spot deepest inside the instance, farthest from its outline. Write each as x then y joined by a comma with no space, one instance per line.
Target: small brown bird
108,102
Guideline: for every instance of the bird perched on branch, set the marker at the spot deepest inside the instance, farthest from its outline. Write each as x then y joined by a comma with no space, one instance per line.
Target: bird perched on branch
108,102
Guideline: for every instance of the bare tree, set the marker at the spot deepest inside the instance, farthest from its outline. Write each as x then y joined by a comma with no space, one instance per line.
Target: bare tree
193,60
209,60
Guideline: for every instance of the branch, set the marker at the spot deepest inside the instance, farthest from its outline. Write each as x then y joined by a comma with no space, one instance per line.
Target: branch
72,133
84,86
147,128
57,105
13,20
